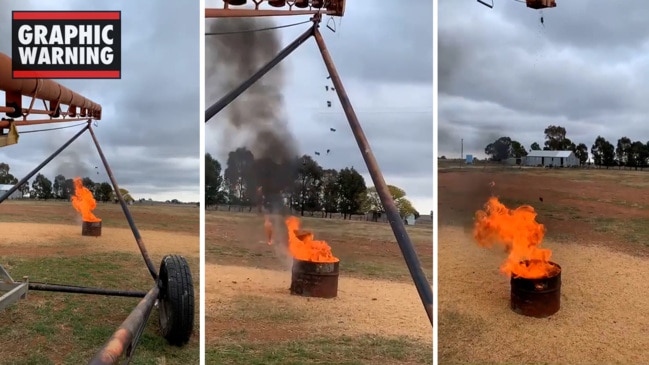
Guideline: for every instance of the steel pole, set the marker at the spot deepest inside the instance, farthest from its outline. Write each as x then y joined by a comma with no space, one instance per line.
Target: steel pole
399,229
127,212
121,341
85,290
39,167
229,97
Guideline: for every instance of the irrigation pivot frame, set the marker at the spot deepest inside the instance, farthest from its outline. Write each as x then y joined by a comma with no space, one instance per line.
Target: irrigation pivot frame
175,302
317,9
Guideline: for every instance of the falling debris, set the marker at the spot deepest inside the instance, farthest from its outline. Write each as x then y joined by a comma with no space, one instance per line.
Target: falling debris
328,104
326,87
541,199
329,77
328,151
317,153
332,129
333,89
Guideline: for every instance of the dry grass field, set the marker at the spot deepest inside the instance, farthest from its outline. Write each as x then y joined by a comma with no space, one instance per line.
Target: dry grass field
43,240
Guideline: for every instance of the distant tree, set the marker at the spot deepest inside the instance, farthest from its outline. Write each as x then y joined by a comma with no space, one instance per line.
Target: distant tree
68,188
500,149
517,150
88,184
330,200
5,176
239,176
581,151
214,183
24,188
623,152
58,188
398,195
608,154
535,147
308,185
597,149
555,139
104,192
125,195
352,191
638,154
42,187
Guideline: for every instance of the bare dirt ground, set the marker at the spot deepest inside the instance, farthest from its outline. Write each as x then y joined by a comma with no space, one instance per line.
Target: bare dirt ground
248,304
363,306
595,222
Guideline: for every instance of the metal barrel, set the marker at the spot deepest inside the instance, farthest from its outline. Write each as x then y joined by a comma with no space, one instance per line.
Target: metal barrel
315,279
538,298
92,229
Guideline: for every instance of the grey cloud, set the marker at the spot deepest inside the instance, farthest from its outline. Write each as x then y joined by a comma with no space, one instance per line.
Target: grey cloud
502,73
153,109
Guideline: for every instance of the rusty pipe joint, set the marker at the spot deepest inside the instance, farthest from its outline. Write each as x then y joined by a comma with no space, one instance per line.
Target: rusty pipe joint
45,89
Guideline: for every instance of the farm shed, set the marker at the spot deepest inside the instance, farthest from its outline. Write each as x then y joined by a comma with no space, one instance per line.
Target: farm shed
4,188
551,158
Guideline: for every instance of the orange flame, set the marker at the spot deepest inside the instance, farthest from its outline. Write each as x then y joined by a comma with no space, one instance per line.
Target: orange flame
303,247
84,202
521,235
268,227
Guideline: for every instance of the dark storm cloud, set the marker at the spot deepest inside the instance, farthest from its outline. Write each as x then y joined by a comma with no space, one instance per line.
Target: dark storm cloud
502,73
150,126
384,56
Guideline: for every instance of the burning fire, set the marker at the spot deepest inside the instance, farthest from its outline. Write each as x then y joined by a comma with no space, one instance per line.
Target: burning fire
521,235
84,202
301,244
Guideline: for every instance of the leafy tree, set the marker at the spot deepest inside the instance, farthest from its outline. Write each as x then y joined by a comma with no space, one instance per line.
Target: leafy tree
68,188
535,147
42,187
638,154
125,195
352,191
517,150
24,188
597,149
58,188
581,150
555,139
308,185
330,200
623,152
214,193
88,184
239,175
5,176
500,149
104,192
398,195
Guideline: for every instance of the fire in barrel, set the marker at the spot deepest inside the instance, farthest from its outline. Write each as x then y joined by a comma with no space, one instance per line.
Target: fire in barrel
85,203
315,268
535,280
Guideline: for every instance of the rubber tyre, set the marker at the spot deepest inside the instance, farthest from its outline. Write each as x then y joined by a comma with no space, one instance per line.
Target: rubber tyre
176,300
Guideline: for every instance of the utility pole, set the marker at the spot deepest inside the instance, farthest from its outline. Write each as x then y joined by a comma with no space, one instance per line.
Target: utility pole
462,149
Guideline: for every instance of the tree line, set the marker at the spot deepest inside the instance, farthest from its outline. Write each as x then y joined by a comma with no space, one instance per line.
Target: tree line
305,187
61,188
626,153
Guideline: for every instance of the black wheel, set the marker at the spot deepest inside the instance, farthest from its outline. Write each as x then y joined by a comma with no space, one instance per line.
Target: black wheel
176,300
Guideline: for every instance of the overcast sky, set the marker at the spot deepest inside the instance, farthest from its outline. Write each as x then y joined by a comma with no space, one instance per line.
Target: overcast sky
386,67
502,73
150,127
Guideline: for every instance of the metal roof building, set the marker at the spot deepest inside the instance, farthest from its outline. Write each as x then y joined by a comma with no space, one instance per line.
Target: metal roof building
551,159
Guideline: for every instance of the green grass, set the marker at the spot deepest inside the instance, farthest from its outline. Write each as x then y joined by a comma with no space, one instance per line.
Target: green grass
48,328
343,350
